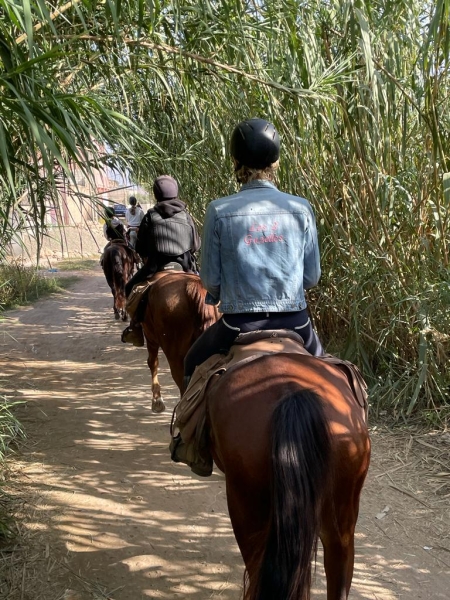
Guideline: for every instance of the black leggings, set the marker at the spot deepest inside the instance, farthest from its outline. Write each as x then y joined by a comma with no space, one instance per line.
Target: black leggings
219,338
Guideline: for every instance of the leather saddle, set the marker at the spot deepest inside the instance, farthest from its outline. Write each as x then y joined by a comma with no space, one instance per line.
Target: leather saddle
257,343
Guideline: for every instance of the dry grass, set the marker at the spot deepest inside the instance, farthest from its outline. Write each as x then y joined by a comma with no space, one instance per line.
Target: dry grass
414,463
33,566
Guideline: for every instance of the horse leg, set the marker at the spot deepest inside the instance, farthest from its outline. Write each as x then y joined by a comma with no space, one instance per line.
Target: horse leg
339,559
122,298
116,310
158,405
123,313
338,534
121,301
248,515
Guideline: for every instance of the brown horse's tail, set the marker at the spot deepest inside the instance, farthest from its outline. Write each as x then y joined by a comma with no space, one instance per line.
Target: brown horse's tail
118,277
301,459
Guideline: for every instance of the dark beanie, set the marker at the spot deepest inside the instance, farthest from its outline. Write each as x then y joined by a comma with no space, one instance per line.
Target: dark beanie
165,188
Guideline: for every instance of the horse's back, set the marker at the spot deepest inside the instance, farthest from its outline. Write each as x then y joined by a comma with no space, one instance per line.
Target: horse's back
242,401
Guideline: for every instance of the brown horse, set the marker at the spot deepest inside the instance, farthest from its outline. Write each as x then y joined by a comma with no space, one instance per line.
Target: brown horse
291,439
118,264
175,316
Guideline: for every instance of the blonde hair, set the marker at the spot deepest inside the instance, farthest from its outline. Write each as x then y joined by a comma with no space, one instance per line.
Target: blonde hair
246,174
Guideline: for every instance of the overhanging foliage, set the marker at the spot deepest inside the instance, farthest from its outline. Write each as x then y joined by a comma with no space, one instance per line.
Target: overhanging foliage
359,92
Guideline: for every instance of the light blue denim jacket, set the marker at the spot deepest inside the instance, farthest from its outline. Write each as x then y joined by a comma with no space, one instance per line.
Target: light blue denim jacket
259,250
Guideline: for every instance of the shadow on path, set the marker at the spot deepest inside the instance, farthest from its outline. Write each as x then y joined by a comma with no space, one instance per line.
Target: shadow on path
111,515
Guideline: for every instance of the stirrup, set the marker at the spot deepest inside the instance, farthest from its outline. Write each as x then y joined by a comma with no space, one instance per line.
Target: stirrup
178,453
133,334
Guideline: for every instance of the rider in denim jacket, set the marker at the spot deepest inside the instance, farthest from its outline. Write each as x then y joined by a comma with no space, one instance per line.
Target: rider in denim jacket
260,251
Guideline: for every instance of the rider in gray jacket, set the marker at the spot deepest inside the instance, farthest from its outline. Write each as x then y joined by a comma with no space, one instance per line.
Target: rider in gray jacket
167,237
260,251
167,234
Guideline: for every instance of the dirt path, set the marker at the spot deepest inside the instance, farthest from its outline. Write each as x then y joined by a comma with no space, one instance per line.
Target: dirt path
106,514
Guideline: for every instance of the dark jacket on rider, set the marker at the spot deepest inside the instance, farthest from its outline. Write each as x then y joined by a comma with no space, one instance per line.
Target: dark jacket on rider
167,234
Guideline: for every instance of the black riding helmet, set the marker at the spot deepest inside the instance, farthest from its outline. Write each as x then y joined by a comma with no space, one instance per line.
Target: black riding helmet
109,212
132,201
255,143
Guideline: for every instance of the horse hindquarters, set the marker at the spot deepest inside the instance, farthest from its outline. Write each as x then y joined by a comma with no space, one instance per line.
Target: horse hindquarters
294,465
117,267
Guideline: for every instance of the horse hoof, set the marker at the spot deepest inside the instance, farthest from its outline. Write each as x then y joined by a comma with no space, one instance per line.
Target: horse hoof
158,406
116,316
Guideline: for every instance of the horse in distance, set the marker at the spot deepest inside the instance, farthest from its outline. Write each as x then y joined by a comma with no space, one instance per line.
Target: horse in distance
118,263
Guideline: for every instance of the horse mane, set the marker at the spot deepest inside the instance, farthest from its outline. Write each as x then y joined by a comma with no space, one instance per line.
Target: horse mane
205,314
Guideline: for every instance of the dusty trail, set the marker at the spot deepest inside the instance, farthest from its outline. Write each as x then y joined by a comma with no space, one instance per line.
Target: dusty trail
105,512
